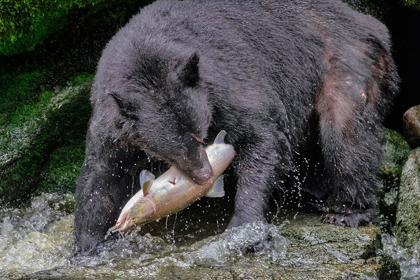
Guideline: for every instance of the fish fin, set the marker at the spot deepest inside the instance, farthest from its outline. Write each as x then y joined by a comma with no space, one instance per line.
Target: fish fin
146,187
146,181
220,138
217,188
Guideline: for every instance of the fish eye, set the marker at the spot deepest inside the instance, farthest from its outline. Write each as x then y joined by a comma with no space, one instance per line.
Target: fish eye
133,220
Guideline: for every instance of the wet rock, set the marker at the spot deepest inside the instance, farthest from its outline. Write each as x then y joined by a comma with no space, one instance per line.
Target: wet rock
408,258
390,269
408,211
309,250
44,151
396,150
411,126
303,248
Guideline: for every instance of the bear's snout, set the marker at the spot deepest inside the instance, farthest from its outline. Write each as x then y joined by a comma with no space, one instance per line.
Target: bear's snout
203,174
196,166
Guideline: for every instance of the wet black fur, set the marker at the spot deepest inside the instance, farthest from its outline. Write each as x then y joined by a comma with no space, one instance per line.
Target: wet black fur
285,79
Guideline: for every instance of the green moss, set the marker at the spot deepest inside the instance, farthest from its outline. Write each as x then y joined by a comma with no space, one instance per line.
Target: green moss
82,78
60,174
412,3
18,93
374,246
396,150
377,8
407,229
389,268
53,154
26,23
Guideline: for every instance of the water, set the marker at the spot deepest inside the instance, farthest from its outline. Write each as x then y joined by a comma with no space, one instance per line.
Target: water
36,242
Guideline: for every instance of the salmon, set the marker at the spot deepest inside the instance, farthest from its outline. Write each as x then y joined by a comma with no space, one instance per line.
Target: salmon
173,191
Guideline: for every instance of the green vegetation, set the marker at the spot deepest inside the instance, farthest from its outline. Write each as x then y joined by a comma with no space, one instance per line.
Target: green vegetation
44,93
389,268
26,23
44,143
396,150
412,3
376,8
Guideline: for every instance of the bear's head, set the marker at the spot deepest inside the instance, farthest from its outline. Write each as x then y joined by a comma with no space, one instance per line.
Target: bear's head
162,105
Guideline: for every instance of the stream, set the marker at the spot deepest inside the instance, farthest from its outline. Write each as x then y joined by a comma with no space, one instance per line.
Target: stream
36,242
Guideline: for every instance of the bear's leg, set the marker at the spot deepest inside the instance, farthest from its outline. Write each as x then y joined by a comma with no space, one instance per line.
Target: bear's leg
256,168
106,182
350,106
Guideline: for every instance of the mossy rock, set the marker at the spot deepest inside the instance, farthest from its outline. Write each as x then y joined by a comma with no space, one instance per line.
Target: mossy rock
396,150
44,150
306,249
45,108
407,229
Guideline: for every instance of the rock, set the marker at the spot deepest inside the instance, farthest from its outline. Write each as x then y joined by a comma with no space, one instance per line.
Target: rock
43,150
407,229
305,248
411,126
396,150
390,269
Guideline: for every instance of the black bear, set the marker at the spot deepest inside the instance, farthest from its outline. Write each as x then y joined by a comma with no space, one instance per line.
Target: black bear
287,80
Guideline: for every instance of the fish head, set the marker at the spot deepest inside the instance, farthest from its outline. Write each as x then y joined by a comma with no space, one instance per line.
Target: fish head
140,213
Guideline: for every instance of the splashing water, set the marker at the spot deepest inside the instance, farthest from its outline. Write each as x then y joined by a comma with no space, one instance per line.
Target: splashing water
259,238
36,242
36,238
409,259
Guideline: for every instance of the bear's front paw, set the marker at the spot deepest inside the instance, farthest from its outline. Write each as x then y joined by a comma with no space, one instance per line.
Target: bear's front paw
351,218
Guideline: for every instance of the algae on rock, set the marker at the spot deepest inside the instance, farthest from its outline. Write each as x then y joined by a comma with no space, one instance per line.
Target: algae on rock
44,151
407,229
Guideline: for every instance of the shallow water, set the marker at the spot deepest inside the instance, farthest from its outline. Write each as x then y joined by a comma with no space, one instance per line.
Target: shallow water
36,242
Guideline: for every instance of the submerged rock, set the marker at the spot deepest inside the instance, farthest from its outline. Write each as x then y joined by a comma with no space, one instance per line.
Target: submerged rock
407,228
411,126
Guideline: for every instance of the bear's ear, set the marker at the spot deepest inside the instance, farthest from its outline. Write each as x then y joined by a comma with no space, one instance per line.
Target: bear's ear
126,109
117,99
188,73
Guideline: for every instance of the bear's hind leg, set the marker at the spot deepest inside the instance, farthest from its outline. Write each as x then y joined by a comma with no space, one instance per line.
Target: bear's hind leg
350,108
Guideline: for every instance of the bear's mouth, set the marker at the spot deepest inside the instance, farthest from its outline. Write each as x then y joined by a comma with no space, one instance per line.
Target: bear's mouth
197,168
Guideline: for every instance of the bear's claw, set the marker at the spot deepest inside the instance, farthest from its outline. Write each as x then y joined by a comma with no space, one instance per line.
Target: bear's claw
350,218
